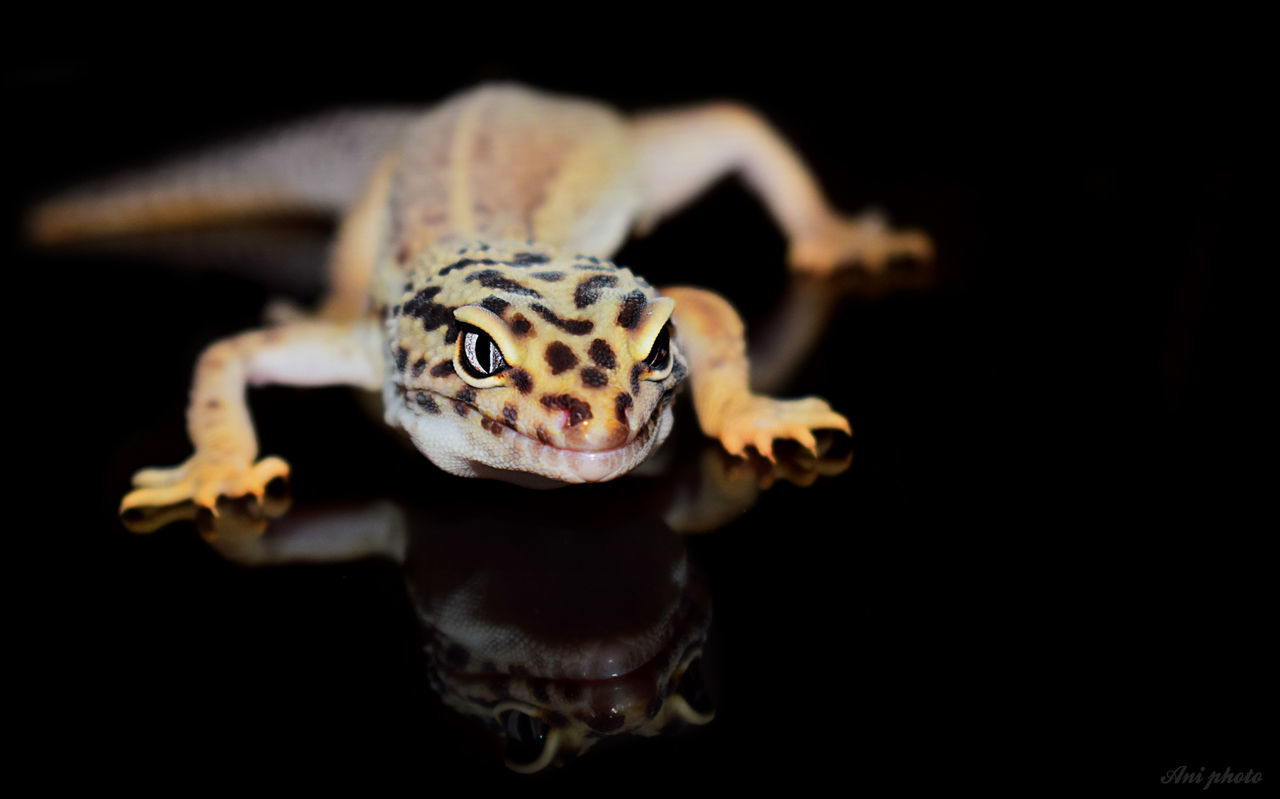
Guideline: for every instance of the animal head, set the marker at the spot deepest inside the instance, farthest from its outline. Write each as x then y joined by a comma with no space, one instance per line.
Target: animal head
514,363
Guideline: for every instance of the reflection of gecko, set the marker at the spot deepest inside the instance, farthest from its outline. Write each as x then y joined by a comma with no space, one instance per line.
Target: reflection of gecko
508,639
470,284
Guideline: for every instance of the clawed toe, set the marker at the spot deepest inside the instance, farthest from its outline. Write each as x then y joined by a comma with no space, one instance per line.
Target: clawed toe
763,420
202,481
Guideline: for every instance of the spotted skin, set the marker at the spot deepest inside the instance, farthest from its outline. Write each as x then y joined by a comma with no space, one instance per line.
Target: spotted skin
499,209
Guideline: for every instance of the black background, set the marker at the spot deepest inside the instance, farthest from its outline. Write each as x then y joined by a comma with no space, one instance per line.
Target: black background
1045,567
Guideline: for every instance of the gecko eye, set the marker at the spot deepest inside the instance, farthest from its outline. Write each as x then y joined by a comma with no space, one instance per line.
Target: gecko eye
659,358
526,738
693,688
478,354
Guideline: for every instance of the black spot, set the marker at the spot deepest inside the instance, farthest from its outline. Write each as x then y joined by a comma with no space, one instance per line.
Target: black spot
494,304
560,358
521,380
433,315
538,687
521,326
418,366
408,287
426,402
402,254
542,435
632,305
575,327
620,405
455,657
679,372
465,262
636,371
461,408
527,258
467,395
550,277
492,426
402,358
493,279
442,369
578,410
213,404
602,354
509,415
594,377
588,291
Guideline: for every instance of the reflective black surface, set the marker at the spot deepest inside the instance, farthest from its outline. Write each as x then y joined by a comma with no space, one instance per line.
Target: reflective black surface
1044,565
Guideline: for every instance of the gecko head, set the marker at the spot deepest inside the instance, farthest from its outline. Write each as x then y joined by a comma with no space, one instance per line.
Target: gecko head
512,363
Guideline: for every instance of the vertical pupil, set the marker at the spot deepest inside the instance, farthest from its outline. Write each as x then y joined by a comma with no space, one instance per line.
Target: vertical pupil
658,355
482,353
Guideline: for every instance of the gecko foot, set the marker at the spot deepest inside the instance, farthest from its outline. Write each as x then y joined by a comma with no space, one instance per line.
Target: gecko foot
867,240
757,421
202,479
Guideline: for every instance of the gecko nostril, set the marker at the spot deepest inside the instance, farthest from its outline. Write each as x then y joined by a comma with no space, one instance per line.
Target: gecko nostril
575,411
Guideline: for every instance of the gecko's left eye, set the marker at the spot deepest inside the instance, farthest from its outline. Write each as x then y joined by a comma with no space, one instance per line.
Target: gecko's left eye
479,354
659,358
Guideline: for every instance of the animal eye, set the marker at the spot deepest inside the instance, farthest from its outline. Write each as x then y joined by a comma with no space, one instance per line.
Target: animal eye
693,688
659,356
480,355
526,737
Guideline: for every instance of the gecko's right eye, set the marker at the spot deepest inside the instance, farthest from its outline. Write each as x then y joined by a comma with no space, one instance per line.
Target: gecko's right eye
478,354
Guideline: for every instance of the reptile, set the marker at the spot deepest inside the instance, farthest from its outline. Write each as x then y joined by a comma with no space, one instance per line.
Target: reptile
471,282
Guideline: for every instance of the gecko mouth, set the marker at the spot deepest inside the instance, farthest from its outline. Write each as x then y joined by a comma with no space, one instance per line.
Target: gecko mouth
505,453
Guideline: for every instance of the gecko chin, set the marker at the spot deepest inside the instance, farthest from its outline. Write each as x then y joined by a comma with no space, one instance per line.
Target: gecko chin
469,444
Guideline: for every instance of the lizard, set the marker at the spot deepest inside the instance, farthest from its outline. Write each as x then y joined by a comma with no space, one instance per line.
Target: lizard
471,283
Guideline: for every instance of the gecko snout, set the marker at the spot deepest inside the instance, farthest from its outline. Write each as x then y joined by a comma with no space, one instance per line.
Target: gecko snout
596,435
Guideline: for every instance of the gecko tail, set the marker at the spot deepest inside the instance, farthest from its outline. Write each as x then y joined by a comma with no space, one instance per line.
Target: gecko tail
317,166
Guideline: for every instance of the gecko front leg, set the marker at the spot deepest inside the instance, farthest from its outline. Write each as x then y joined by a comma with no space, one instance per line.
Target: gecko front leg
683,152
304,353
713,339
